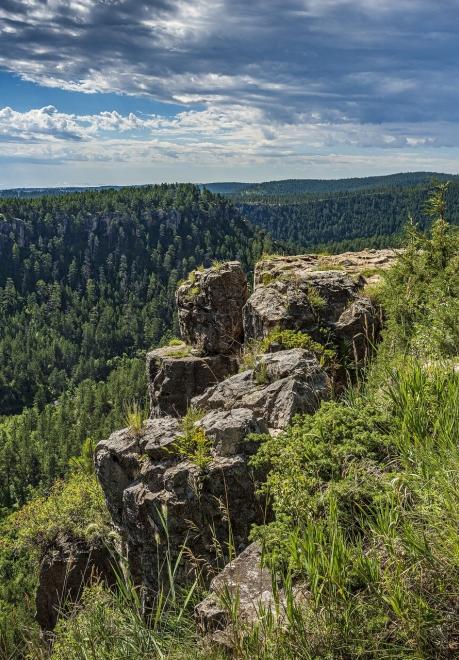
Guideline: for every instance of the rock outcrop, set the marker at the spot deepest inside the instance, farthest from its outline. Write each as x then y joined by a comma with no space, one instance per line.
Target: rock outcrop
281,385
358,330
306,302
245,581
161,501
305,294
167,504
175,377
64,571
366,263
210,306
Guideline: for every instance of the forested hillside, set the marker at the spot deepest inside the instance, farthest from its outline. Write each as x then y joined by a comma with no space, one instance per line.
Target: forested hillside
90,276
342,221
304,186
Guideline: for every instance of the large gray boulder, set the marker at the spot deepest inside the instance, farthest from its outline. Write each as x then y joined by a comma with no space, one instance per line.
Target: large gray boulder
282,385
242,593
175,377
304,301
244,590
209,306
358,330
228,430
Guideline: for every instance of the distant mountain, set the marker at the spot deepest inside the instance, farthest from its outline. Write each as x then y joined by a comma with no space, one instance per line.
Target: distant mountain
303,186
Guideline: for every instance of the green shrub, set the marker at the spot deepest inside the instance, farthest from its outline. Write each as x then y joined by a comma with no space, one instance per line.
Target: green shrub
75,507
111,626
342,452
175,342
193,443
367,518
421,291
295,339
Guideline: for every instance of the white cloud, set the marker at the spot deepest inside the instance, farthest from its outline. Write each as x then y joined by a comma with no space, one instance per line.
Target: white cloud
278,79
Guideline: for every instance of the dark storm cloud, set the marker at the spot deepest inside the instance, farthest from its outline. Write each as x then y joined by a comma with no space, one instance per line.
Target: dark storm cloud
326,60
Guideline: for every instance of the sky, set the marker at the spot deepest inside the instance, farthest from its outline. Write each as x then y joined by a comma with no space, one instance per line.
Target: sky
120,92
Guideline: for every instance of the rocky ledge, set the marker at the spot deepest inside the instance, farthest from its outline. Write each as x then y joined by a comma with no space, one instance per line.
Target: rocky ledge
181,486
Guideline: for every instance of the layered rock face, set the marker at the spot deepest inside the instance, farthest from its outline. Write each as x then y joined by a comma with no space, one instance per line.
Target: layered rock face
164,498
304,293
302,302
160,500
174,379
209,309
281,385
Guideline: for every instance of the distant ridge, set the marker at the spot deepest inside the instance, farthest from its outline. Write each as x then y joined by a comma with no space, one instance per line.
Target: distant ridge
303,186
59,190
280,187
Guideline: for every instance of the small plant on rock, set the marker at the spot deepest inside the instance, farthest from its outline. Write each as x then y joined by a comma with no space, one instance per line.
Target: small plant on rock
315,299
175,341
260,373
218,265
134,418
193,443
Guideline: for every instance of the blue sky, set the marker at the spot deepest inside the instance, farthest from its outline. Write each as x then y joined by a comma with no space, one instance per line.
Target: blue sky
122,91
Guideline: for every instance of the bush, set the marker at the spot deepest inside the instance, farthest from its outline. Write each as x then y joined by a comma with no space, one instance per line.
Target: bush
75,508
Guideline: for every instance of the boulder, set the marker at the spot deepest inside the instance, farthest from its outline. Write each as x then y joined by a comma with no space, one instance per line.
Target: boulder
174,379
228,430
209,306
124,457
281,385
304,301
64,572
358,329
245,591
243,581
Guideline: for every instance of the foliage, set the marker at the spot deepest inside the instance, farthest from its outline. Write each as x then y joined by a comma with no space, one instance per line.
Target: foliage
297,339
370,214
193,443
421,293
287,339
110,626
135,417
364,492
376,543
175,342
36,446
364,543
74,508
342,453
116,625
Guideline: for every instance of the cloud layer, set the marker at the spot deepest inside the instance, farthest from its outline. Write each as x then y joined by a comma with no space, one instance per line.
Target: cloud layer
259,81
